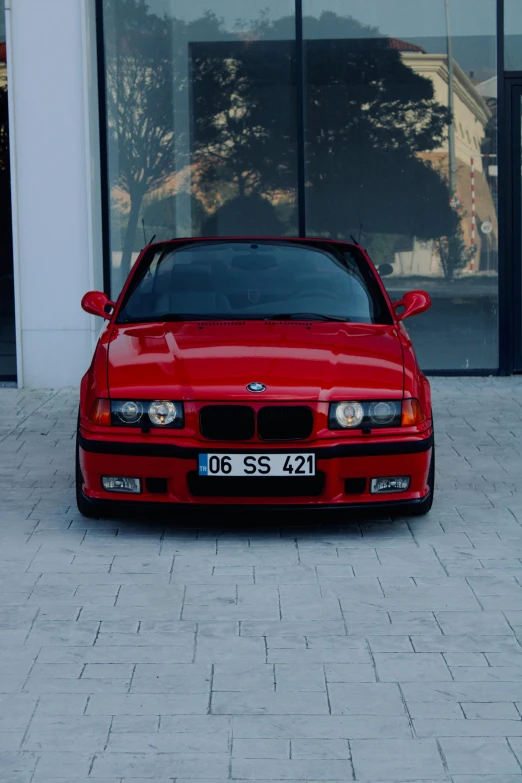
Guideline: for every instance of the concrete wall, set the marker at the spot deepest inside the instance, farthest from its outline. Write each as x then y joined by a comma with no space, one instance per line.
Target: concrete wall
56,191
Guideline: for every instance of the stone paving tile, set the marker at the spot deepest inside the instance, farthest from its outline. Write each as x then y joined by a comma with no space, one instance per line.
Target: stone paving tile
321,727
469,755
321,647
396,759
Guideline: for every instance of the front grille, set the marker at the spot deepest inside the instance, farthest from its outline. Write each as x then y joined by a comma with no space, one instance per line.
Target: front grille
227,422
285,422
246,487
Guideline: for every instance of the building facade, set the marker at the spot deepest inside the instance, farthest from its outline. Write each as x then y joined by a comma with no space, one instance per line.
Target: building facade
397,122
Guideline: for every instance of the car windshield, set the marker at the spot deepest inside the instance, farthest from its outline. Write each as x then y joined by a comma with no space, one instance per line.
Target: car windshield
254,280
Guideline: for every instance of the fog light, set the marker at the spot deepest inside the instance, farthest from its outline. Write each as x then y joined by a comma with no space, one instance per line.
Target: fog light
121,484
390,484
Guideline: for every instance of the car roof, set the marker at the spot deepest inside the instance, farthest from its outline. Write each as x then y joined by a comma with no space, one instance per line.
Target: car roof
286,240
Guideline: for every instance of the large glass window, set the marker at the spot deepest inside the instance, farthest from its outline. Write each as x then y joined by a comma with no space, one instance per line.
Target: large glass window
401,154
513,35
201,121
7,316
400,149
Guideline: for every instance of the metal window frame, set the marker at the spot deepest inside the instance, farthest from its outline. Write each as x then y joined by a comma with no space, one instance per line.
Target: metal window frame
104,152
509,295
512,193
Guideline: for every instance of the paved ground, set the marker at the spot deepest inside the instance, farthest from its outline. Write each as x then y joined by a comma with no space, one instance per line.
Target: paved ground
301,649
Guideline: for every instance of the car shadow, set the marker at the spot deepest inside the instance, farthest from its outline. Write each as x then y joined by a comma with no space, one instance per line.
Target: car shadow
253,522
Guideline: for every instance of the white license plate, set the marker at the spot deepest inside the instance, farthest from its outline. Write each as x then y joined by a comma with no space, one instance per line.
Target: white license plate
256,465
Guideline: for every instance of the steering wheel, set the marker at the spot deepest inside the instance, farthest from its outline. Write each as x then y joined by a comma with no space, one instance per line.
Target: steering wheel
318,292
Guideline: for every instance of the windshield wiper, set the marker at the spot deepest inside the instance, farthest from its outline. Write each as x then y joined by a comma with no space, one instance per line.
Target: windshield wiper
305,316
168,317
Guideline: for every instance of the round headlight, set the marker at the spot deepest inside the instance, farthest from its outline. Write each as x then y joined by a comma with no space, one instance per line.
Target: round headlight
130,412
382,412
162,412
349,414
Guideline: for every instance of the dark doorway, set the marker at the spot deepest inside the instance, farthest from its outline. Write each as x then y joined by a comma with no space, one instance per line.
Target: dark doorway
7,314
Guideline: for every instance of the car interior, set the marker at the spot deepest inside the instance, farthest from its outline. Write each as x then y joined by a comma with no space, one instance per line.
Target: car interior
250,281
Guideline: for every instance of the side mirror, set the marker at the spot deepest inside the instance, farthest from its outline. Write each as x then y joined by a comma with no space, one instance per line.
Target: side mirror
98,303
385,269
414,302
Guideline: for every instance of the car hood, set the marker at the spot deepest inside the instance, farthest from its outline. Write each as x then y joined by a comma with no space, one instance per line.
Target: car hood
293,359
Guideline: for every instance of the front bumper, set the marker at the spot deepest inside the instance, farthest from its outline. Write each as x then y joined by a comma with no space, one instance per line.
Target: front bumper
337,463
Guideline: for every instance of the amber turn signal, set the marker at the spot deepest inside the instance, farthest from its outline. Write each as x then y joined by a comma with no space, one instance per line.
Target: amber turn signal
411,413
101,413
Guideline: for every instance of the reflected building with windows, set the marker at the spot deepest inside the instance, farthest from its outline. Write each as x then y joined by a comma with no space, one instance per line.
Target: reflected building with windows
396,122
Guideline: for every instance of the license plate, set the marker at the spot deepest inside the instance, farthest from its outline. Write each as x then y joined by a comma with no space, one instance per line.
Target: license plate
257,465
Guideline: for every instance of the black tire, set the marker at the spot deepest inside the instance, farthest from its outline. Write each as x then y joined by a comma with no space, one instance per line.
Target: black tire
422,508
85,508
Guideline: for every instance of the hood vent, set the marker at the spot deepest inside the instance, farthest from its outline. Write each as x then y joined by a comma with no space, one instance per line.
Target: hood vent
307,324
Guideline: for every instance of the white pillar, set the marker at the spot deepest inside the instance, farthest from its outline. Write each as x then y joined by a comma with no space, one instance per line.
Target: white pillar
56,188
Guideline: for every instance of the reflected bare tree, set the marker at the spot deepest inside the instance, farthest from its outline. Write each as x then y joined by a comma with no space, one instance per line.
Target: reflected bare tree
139,105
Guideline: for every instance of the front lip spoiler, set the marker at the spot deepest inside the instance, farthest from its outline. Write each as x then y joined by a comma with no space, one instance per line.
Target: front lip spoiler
164,507
326,452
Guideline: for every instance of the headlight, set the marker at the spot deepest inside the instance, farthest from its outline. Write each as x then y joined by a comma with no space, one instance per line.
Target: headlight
130,412
349,414
140,413
368,413
162,413
382,413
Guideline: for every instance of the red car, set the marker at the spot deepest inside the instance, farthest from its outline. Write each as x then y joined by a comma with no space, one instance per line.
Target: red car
255,371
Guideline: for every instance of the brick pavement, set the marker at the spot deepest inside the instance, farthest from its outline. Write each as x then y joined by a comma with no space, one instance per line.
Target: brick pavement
304,648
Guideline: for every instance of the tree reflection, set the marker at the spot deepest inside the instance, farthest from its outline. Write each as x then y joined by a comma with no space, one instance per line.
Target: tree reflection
244,118
139,105
230,117
368,118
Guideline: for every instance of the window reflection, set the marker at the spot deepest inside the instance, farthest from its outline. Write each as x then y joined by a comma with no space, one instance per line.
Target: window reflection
513,35
401,152
201,121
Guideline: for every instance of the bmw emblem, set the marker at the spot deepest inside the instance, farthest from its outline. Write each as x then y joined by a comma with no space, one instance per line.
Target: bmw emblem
256,387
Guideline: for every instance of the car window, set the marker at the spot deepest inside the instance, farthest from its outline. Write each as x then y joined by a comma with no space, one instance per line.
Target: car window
254,280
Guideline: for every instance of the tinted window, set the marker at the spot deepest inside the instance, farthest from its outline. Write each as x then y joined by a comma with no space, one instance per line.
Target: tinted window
231,279
401,152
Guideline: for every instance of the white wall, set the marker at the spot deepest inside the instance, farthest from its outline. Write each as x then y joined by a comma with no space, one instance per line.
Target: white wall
56,198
